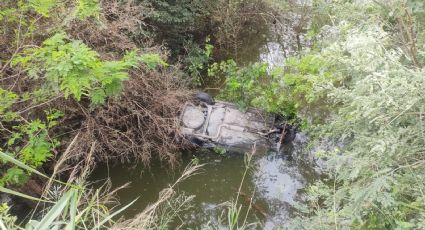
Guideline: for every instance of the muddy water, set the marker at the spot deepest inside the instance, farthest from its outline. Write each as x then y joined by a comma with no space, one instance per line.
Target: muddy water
275,182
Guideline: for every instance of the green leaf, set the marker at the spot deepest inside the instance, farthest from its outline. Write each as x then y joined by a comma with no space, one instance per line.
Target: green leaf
8,158
97,97
73,208
15,175
22,165
42,6
88,8
114,214
152,60
7,99
114,88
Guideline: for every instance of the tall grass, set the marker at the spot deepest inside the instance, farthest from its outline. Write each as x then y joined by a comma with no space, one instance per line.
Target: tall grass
77,207
168,206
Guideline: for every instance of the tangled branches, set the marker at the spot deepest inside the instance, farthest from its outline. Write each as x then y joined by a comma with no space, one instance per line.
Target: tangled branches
136,124
139,123
118,30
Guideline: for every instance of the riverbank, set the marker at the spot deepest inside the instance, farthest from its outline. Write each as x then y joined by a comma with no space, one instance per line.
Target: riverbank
75,89
91,83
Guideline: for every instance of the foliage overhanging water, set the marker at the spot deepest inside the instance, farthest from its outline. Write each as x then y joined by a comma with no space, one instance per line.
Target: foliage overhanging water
275,182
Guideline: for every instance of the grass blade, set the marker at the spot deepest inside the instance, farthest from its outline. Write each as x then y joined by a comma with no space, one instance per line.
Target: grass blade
114,214
2,226
72,212
20,164
8,158
55,211
11,192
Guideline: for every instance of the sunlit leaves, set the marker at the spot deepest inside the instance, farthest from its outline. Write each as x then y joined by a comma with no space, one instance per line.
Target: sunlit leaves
278,90
152,60
7,99
73,68
246,86
42,6
14,175
88,8
37,146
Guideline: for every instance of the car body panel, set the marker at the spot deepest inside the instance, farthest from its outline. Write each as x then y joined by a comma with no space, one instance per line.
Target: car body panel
224,124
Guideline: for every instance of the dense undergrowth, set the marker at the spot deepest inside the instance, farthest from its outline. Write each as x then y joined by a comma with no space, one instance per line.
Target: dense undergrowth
79,85
87,81
358,86
376,178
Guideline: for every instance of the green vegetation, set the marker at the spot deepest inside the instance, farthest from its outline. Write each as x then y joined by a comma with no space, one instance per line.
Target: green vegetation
74,69
375,178
288,91
220,151
77,207
364,74
62,67
70,211
197,61
88,81
56,79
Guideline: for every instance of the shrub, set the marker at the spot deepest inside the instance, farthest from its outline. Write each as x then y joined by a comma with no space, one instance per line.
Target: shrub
374,177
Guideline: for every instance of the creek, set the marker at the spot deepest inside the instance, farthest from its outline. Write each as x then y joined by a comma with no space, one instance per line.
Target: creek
275,182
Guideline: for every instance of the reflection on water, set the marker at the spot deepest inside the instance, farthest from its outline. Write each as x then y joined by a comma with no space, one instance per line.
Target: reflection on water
275,183
277,179
278,183
273,54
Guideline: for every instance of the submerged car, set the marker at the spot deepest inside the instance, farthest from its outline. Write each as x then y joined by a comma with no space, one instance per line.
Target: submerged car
223,124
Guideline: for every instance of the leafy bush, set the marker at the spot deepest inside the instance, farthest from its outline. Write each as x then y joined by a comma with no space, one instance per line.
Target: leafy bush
246,86
73,68
36,150
88,8
197,61
179,22
65,66
187,22
375,177
366,74
287,91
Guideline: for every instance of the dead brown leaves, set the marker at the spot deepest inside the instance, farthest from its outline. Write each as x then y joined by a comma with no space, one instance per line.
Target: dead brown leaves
140,124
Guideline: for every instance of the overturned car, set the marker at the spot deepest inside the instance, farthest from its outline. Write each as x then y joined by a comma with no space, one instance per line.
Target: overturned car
212,124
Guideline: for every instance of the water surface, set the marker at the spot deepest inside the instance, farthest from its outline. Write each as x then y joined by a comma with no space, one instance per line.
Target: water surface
275,182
